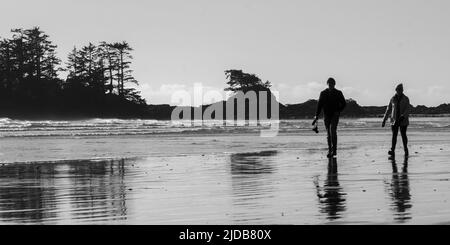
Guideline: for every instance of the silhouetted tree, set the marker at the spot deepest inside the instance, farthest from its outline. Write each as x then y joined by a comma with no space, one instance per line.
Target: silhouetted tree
74,64
240,81
42,60
86,67
124,72
29,67
7,75
109,54
97,77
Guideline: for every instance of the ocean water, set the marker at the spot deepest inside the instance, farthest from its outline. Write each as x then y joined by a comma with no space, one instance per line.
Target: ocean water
117,127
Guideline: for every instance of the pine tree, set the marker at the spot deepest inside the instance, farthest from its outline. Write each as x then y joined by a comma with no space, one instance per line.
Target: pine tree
124,72
240,81
110,57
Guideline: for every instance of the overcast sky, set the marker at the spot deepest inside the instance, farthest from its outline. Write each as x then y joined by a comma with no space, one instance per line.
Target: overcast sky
368,46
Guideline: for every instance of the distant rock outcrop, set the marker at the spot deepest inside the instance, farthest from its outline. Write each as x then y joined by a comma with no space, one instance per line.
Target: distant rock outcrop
308,109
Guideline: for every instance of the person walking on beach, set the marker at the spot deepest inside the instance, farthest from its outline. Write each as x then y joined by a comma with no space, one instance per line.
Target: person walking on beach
332,102
398,111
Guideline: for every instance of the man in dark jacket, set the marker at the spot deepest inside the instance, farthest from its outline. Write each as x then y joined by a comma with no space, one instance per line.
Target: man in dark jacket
332,102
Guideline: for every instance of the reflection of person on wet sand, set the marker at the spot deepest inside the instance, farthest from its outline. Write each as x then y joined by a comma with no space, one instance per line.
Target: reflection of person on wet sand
331,197
399,191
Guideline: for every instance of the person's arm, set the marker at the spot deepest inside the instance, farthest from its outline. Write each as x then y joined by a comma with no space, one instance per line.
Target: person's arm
386,114
319,106
342,102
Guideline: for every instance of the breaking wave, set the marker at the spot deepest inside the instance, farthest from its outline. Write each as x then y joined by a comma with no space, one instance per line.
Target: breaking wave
117,127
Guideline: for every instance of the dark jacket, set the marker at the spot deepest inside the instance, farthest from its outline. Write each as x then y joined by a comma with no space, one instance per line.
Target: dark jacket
332,101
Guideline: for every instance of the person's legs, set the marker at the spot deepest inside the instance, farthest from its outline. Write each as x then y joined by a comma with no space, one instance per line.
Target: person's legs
394,138
329,137
333,128
403,130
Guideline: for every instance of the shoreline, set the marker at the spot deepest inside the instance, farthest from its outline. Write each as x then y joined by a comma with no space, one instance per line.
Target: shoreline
60,148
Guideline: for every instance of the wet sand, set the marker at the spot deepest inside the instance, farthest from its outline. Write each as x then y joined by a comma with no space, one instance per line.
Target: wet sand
225,179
